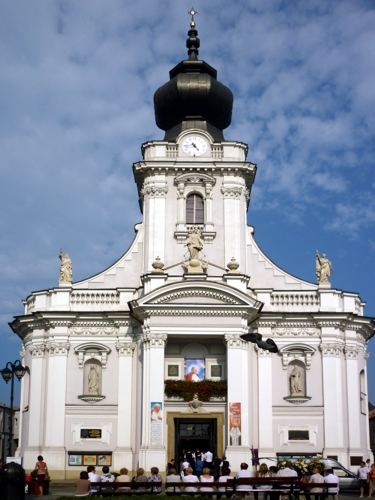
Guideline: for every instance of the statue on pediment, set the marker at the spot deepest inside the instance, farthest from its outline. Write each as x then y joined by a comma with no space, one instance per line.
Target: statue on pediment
66,271
323,269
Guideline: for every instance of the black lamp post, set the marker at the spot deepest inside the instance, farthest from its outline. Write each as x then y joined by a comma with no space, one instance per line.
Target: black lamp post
8,373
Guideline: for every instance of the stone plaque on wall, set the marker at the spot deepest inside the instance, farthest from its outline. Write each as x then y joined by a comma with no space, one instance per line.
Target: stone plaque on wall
173,371
216,370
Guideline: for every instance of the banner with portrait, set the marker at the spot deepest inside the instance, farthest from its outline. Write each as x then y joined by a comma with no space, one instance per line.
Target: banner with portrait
235,424
156,423
194,370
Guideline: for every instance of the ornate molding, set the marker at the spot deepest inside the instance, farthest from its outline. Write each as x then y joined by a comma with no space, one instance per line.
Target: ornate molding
58,348
366,355
125,348
235,342
154,191
331,349
351,352
92,351
196,293
154,340
231,192
296,331
95,328
23,351
203,312
298,352
91,399
37,350
297,400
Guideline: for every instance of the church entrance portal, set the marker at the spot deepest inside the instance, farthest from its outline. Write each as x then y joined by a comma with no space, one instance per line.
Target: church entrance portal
193,433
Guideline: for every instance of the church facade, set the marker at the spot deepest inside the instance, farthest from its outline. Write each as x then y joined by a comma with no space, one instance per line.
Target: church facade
176,306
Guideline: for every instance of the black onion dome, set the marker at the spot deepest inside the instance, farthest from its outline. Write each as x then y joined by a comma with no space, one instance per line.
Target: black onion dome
193,98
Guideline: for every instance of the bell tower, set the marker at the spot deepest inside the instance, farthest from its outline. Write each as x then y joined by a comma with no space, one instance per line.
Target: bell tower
194,181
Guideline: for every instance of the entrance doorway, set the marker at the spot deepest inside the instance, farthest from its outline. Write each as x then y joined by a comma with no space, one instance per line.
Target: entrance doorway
193,433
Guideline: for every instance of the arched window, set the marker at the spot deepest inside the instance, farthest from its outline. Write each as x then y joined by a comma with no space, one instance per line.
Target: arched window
194,209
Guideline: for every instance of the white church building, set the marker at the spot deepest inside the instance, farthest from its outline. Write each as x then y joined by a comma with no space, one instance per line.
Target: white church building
175,307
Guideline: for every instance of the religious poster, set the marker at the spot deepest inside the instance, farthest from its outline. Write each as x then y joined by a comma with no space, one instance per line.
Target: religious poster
173,370
194,370
235,424
75,459
157,423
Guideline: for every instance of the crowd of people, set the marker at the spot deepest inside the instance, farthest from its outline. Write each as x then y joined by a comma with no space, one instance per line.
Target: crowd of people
198,470
215,469
84,488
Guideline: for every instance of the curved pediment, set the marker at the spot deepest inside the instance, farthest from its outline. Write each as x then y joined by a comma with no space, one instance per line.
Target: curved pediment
196,293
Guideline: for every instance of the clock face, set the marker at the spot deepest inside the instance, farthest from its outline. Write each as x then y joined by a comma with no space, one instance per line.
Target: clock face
194,145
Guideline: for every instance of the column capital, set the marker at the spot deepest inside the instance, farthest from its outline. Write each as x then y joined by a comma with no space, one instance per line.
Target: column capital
38,350
334,350
57,348
351,352
235,342
154,340
125,348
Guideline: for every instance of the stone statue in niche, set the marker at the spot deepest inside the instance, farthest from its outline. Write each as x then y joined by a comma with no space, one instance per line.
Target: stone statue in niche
66,273
323,269
195,245
295,382
93,380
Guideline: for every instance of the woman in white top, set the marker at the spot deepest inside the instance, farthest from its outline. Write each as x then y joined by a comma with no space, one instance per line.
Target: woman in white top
224,478
206,478
190,478
172,477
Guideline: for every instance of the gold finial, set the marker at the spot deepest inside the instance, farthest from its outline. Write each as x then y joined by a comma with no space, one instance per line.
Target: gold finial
192,12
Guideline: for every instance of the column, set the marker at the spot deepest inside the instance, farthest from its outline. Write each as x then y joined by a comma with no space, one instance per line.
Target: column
238,392
334,413
154,219
234,220
123,454
153,447
353,398
36,404
53,450
266,448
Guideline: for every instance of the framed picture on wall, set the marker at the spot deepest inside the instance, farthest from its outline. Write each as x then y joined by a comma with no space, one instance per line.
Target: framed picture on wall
89,460
194,370
104,460
75,459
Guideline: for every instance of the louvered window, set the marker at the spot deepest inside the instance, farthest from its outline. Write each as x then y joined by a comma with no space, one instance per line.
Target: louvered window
194,209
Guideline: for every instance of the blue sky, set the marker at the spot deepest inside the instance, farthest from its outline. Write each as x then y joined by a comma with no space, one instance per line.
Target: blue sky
76,86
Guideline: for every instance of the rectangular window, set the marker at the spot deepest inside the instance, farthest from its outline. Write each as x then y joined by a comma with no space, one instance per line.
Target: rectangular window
356,460
194,209
298,435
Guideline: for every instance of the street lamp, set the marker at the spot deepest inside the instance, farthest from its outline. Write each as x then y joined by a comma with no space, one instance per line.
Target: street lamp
8,373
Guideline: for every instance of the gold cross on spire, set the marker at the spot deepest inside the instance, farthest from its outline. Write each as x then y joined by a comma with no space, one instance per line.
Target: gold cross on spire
192,12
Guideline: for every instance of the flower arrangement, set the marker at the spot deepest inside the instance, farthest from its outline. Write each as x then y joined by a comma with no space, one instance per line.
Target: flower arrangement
316,464
301,467
205,390
304,467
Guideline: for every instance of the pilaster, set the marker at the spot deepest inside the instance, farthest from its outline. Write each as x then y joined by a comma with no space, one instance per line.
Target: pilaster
123,455
238,392
334,412
153,454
